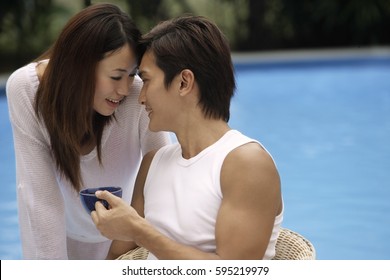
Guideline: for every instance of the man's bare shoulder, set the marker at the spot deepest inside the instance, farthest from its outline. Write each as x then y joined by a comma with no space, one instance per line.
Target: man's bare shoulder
252,164
251,153
150,155
145,164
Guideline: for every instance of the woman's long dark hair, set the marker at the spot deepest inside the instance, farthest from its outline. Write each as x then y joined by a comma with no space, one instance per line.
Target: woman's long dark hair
64,100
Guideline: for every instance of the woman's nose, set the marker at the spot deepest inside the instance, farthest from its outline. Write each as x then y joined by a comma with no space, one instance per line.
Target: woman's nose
124,87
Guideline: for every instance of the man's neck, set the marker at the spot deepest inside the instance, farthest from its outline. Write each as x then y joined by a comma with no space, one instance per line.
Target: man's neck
197,137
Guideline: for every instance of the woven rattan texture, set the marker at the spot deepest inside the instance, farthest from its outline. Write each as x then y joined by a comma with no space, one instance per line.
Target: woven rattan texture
293,246
138,253
289,246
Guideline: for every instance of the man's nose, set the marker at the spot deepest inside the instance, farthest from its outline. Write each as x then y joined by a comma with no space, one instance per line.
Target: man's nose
142,97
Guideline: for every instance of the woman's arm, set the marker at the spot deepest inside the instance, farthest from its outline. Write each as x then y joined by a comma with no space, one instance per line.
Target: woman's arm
120,247
40,203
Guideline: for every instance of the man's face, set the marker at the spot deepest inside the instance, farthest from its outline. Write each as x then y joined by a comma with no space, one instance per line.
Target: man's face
160,103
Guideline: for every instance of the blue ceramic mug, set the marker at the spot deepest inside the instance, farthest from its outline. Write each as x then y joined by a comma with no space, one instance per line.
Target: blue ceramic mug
88,197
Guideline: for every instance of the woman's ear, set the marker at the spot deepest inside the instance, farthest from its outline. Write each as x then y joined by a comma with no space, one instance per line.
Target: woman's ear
187,80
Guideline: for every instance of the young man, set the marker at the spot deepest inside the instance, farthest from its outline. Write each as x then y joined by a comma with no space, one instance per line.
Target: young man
216,193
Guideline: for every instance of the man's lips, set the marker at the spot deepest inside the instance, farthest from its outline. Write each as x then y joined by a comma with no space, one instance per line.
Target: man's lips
148,110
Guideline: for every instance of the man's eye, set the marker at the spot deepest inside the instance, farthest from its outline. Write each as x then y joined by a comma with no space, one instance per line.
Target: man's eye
116,78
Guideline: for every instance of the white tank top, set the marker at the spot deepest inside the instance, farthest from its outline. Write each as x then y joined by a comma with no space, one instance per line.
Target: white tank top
183,196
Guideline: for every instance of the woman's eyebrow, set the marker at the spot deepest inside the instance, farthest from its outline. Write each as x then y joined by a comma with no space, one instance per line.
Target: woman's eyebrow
120,70
125,71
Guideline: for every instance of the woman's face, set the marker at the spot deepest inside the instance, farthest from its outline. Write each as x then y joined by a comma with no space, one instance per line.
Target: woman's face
114,76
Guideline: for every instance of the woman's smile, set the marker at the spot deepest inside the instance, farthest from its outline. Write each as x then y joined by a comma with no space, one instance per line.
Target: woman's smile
114,103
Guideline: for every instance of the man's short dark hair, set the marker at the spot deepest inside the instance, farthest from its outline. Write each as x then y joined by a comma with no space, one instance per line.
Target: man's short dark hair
197,44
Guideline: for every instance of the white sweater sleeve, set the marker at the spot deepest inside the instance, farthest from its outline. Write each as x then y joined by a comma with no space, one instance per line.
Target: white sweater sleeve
40,203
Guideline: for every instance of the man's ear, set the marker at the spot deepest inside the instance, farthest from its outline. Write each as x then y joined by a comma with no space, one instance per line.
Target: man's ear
187,80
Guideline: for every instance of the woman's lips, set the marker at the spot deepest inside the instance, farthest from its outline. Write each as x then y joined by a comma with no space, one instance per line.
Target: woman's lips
113,102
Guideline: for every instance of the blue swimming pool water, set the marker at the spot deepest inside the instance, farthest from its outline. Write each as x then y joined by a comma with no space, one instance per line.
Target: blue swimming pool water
327,125
9,233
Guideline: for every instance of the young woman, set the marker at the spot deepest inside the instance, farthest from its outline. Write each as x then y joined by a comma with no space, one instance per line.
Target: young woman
77,124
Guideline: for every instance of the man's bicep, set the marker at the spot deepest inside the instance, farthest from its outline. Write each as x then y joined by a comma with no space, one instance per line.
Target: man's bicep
247,212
